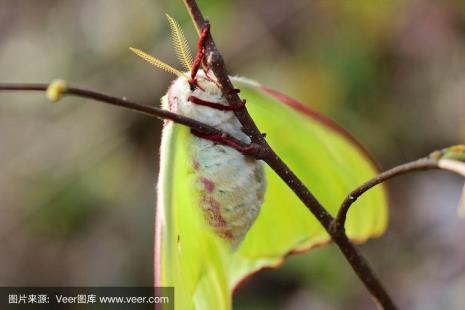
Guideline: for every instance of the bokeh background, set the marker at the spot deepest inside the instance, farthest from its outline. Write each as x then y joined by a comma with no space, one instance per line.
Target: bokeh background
77,179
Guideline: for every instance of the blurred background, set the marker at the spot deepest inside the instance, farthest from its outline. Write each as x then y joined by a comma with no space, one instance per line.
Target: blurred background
77,179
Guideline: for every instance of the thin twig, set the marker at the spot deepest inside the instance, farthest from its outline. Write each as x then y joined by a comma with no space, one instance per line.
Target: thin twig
358,263
134,106
420,164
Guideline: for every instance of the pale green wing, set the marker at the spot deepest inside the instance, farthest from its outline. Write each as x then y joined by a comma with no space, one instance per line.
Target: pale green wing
200,267
187,254
326,159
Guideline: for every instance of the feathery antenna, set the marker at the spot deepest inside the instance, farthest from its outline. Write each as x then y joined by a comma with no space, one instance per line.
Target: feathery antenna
158,63
181,46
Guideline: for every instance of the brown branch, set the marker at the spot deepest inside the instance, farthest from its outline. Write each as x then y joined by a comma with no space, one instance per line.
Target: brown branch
417,165
134,106
358,263
216,64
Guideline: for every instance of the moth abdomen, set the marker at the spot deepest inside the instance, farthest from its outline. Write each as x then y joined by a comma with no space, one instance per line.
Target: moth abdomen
230,188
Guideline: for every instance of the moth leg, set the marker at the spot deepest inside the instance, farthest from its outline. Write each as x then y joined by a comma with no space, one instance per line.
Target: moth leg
208,77
226,141
215,105
200,53
205,67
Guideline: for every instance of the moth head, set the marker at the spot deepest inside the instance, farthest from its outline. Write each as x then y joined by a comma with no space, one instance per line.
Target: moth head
184,56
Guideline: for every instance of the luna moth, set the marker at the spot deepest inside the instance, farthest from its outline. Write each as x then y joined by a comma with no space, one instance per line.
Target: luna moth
222,215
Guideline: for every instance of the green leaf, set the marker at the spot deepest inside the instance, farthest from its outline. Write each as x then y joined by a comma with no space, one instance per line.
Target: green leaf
453,159
455,152
201,267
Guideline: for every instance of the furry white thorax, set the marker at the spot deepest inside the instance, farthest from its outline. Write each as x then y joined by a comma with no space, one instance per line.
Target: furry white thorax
180,91
231,186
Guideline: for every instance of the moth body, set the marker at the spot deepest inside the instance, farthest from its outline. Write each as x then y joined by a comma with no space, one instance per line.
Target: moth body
230,186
